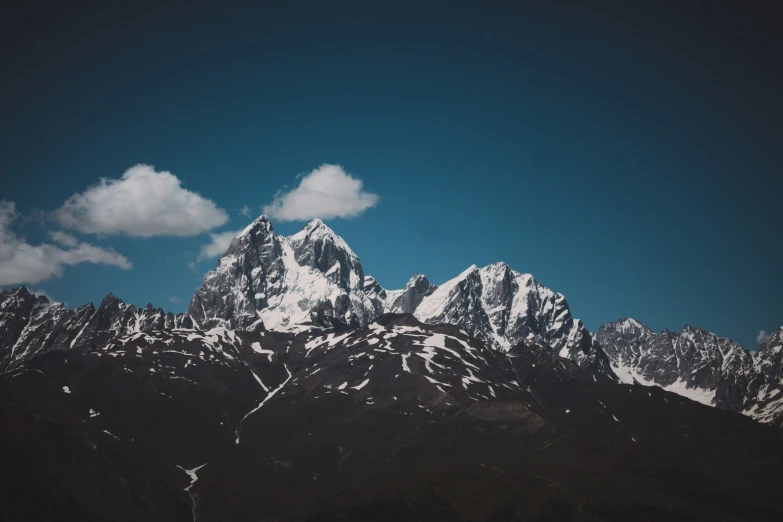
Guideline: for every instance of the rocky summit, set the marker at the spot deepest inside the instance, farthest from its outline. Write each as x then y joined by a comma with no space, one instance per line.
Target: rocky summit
313,278
298,388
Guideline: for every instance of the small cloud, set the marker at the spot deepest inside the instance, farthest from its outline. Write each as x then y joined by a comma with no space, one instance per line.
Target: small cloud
762,337
142,203
218,244
39,292
175,299
21,262
245,211
64,238
327,192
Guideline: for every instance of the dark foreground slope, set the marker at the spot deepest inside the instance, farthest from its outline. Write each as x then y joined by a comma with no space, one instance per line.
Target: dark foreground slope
395,421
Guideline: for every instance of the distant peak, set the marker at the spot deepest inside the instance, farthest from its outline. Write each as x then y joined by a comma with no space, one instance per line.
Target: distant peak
109,300
631,321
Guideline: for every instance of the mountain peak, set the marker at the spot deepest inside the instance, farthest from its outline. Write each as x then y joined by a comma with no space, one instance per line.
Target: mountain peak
416,279
317,231
317,228
261,223
629,323
109,300
19,291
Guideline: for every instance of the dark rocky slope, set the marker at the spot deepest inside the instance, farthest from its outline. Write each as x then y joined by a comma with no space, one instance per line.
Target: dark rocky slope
398,420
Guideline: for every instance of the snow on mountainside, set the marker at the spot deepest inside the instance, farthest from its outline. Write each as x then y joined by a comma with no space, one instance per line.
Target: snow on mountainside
503,308
694,363
32,325
313,278
185,424
765,390
283,283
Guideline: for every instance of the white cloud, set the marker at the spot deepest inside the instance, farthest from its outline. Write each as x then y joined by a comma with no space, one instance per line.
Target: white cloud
143,203
21,262
39,292
245,211
218,244
175,299
327,192
762,337
64,238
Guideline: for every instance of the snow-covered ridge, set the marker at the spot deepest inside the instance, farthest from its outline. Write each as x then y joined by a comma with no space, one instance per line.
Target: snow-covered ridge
313,278
32,325
699,365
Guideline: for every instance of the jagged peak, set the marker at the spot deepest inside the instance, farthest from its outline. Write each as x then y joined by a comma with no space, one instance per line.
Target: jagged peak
317,230
262,222
415,279
498,266
109,300
773,340
467,272
19,290
316,223
315,227
631,323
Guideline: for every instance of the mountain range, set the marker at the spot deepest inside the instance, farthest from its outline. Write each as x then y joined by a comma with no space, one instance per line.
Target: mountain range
296,387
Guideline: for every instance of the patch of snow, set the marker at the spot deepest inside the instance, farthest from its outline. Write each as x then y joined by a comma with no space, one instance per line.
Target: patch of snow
360,386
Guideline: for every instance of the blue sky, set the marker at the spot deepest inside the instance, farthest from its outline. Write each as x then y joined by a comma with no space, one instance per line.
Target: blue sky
627,157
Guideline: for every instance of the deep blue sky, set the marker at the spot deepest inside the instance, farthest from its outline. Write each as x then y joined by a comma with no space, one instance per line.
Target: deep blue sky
627,156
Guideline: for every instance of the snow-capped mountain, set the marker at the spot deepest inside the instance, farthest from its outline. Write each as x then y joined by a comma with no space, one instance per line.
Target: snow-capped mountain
314,278
765,389
503,308
699,365
31,325
281,283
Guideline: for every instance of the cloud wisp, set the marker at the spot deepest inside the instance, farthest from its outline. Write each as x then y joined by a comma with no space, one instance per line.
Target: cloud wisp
218,243
327,192
63,238
762,337
21,262
143,203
